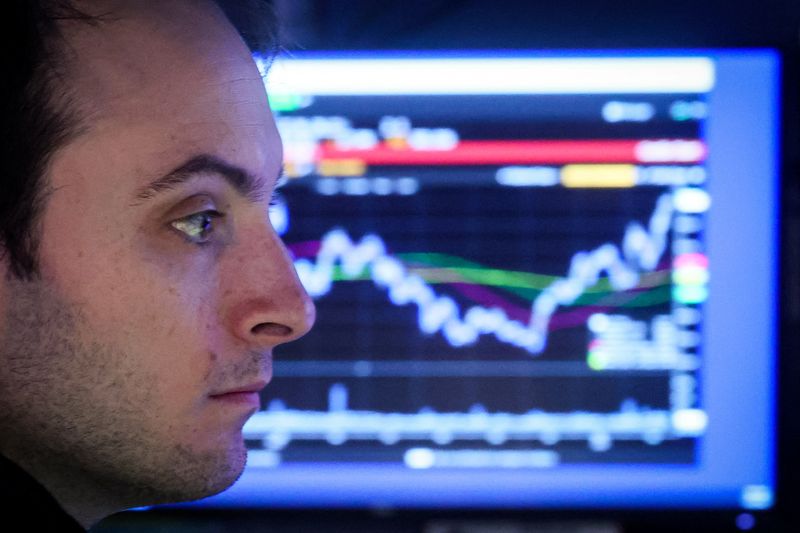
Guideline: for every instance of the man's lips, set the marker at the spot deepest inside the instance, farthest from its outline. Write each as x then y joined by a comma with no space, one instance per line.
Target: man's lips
246,394
255,386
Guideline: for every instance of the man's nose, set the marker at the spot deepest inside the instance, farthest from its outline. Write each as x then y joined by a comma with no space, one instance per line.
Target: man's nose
269,304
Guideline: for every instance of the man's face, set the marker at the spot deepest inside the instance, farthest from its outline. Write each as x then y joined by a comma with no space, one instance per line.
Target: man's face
112,366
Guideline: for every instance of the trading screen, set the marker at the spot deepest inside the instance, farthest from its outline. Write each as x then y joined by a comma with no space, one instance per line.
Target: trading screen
509,261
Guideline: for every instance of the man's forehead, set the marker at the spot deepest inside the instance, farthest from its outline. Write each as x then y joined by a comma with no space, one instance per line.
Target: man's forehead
198,23
140,50
126,160
159,93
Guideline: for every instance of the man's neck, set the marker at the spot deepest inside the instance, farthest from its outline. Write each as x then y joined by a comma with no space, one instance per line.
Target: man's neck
78,498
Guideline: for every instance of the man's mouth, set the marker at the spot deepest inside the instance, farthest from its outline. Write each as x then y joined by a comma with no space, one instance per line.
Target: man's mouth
244,394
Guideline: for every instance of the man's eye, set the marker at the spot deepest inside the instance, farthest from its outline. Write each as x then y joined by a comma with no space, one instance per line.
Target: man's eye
198,226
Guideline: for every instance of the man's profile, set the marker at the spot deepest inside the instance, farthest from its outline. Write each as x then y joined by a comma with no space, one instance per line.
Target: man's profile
142,287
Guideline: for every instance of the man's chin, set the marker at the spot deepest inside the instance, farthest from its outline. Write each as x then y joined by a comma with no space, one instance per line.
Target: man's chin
229,470
210,473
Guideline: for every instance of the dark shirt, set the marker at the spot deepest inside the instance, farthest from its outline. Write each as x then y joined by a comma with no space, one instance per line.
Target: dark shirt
27,506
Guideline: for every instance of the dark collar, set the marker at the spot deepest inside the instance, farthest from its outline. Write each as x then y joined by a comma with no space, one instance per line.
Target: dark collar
23,500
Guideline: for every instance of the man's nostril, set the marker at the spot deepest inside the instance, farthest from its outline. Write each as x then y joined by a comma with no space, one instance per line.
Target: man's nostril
271,328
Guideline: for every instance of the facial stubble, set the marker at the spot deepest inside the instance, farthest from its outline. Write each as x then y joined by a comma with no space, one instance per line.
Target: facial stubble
75,407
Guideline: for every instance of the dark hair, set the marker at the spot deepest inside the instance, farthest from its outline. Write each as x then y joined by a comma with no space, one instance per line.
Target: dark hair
35,121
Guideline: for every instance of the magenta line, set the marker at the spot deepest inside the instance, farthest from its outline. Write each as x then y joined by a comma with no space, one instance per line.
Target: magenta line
486,298
575,318
571,319
304,249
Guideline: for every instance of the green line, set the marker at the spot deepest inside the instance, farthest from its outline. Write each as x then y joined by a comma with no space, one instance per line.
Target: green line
442,260
523,285
477,273
339,275
655,296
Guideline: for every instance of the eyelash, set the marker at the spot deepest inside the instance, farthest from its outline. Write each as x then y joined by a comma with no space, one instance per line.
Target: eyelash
210,215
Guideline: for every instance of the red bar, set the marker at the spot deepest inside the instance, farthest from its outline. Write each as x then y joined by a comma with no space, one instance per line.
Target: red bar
503,153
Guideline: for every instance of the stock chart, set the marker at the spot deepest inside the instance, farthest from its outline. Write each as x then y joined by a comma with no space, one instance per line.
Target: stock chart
502,279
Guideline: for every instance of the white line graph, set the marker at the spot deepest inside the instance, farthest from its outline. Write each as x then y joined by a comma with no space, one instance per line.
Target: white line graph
278,425
640,251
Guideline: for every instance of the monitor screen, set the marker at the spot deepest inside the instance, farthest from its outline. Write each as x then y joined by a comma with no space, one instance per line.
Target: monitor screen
543,280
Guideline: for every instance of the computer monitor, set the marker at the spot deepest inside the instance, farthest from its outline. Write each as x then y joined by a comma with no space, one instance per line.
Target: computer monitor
543,280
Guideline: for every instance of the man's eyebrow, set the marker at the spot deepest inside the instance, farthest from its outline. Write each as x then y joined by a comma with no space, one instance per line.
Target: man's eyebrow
246,184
